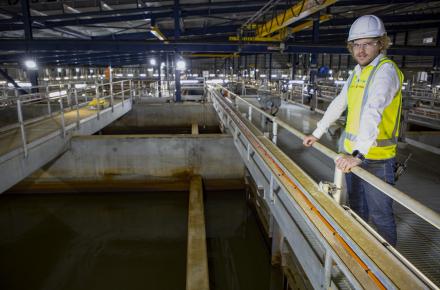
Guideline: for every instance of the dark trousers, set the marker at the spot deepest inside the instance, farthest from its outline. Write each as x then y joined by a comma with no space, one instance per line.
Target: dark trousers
369,202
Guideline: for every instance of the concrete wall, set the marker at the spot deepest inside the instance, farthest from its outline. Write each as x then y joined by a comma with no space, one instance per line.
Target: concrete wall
14,167
147,156
168,115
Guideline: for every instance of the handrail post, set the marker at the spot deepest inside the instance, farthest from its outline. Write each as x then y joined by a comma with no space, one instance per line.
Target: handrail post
23,132
130,84
69,96
97,99
63,127
75,91
111,95
49,109
69,103
274,130
337,181
123,92
85,90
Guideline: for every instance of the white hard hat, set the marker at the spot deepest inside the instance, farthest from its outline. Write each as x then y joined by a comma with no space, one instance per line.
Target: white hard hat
365,27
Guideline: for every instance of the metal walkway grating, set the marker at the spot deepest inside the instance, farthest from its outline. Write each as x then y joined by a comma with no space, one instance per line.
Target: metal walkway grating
419,242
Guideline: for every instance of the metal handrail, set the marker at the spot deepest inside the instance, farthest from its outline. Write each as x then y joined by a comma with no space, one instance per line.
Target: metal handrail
227,106
70,93
429,215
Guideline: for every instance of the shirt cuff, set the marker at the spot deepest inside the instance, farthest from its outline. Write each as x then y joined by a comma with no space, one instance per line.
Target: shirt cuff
318,133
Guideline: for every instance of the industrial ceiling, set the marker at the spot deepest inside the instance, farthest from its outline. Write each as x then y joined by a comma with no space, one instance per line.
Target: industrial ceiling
124,32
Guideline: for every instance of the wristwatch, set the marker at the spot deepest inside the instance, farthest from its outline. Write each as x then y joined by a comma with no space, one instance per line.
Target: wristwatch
358,155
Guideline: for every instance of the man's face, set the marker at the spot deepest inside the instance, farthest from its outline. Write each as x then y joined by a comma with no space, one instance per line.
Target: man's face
365,50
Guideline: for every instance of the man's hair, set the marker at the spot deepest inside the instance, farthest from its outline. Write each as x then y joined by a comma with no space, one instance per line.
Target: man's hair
384,42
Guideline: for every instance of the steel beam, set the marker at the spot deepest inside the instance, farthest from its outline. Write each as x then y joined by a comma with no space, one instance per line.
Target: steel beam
196,9
119,47
79,19
12,81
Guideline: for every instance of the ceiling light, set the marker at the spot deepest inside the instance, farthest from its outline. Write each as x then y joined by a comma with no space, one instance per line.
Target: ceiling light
180,65
30,64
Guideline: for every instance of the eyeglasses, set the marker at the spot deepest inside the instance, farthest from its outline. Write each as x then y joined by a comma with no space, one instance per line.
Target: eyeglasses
365,45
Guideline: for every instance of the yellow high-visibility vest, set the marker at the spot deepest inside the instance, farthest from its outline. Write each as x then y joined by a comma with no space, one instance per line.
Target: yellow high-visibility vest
357,94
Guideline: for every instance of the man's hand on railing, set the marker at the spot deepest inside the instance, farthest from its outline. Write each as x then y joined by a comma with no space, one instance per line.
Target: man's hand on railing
346,162
309,140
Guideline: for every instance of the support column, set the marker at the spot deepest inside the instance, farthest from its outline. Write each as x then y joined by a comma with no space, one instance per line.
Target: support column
330,65
225,68
393,40
339,62
256,66
159,73
233,66
27,20
270,68
294,61
239,68
33,78
177,93
314,63
436,76
405,42
246,67
314,56
167,74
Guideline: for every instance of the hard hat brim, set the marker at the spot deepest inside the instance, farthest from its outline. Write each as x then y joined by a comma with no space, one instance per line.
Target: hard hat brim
364,36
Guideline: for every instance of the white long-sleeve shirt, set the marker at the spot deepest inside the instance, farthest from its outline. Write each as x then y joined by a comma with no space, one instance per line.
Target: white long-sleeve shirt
382,89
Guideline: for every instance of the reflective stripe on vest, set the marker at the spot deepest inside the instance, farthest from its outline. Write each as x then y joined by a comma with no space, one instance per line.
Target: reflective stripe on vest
385,145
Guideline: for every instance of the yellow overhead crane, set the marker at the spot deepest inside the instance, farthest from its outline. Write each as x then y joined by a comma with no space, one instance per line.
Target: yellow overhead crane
277,30
156,32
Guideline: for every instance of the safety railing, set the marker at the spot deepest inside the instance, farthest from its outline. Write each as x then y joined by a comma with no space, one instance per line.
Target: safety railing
229,119
60,99
402,198
419,209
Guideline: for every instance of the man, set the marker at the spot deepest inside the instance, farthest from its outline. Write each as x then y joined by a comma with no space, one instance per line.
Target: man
372,96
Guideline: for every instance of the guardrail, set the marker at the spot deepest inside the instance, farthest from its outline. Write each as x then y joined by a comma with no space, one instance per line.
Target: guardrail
402,198
68,97
276,179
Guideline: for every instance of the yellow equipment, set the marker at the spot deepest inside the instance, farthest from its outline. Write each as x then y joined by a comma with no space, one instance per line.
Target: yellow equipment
93,104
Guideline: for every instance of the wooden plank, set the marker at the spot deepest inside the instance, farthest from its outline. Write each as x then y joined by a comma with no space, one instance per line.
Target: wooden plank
197,277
